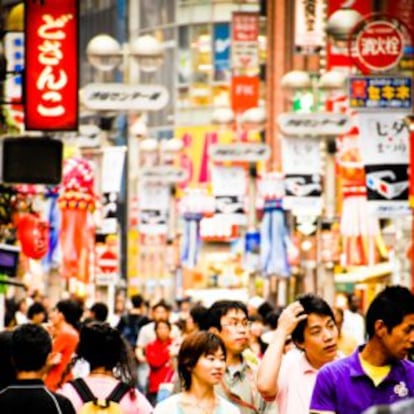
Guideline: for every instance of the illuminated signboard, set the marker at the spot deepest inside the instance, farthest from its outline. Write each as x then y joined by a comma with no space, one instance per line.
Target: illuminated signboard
51,81
380,92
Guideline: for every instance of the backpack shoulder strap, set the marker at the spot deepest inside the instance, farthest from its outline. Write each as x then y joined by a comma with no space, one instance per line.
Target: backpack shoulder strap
83,390
118,392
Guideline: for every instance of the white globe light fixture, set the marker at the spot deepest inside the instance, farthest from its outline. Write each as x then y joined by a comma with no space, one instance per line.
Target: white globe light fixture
296,80
148,52
332,80
341,23
104,52
222,116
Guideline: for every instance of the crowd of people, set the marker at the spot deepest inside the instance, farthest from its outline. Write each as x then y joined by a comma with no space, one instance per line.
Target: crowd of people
231,357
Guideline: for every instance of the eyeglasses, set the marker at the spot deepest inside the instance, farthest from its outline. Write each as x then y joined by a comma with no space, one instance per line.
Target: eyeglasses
237,324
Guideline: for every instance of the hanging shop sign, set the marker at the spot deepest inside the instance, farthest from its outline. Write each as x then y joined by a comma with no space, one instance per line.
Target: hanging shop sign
245,50
314,124
51,65
384,142
164,174
302,172
337,54
244,92
222,47
379,44
121,97
155,198
309,26
239,152
384,92
14,52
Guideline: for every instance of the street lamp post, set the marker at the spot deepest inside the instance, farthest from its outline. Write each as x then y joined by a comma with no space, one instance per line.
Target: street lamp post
105,54
329,82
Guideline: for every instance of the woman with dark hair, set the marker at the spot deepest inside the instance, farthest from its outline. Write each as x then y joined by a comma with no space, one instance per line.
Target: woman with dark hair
111,362
201,366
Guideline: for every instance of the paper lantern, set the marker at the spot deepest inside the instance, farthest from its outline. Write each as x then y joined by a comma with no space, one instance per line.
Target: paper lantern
33,233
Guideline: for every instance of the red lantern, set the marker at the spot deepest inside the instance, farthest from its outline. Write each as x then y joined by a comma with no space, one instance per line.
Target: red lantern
33,233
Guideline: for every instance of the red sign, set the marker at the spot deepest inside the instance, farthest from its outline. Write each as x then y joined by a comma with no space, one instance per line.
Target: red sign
337,51
245,27
379,45
51,81
244,92
108,262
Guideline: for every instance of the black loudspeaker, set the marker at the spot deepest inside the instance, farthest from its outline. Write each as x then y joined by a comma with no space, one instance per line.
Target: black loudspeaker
29,160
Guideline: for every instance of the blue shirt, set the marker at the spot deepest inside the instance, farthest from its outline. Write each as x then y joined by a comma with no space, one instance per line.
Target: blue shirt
343,387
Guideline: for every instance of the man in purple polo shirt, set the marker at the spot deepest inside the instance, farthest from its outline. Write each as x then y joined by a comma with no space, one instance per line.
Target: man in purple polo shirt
377,373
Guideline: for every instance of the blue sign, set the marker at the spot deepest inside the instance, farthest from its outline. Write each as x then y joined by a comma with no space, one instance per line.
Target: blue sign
380,92
222,52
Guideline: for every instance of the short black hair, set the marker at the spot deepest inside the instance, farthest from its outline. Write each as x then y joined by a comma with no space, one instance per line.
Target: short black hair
391,305
199,315
100,310
311,303
221,308
34,309
137,301
272,318
162,304
71,311
31,344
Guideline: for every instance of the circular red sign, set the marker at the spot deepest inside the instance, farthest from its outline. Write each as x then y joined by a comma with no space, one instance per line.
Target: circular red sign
379,46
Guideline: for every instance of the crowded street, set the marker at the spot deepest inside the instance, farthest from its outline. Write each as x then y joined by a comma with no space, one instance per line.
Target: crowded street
206,207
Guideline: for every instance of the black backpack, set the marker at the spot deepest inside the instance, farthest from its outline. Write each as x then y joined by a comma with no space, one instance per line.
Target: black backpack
130,326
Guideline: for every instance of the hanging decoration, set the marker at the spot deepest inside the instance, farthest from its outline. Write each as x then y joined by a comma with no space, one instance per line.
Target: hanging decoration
195,204
77,199
274,236
33,234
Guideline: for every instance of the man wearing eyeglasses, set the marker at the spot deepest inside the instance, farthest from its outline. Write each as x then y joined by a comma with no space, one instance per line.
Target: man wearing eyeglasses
229,320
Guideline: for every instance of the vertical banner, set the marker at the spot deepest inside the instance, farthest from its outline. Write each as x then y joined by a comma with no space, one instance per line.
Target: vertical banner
337,50
244,92
14,53
229,189
384,143
245,48
302,169
221,33
51,63
309,26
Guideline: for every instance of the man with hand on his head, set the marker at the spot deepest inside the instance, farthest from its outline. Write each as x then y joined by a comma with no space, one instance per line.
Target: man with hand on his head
289,378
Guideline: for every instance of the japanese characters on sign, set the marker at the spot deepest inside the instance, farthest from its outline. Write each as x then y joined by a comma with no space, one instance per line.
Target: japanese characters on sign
244,92
245,51
120,97
379,45
314,124
380,92
384,143
302,168
243,152
338,56
51,81
163,174
309,26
